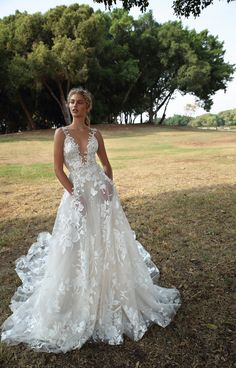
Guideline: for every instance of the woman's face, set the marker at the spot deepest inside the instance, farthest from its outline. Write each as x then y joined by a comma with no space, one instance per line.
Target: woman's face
78,105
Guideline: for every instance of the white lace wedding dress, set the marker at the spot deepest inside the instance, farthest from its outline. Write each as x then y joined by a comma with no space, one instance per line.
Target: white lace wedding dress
90,280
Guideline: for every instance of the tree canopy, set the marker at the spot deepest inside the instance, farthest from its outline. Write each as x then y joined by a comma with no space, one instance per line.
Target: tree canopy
130,66
191,7
181,7
127,4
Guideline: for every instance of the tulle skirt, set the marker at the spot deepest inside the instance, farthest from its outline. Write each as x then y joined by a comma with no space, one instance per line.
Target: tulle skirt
89,280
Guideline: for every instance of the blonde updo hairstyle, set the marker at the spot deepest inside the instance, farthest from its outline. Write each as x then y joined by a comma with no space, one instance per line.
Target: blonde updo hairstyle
87,96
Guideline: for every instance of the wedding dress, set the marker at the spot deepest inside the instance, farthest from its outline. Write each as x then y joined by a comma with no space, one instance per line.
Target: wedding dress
90,280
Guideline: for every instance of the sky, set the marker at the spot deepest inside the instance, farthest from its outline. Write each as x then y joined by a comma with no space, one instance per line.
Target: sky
218,18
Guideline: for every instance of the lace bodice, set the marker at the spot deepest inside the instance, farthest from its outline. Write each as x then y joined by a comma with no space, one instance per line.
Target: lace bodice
73,157
82,166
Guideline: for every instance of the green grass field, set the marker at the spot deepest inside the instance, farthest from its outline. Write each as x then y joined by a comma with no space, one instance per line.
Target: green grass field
178,190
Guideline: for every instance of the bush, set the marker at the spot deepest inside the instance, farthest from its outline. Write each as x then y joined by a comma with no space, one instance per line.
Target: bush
207,120
181,120
229,116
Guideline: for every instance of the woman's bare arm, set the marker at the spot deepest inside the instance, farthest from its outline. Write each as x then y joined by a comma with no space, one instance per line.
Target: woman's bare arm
103,155
59,159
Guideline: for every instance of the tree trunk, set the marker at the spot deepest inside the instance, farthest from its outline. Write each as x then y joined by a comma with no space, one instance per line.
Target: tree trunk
162,118
30,123
126,117
61,102
164,112
166,100
64,108
11,126
130,88
151,114
151,109
130,118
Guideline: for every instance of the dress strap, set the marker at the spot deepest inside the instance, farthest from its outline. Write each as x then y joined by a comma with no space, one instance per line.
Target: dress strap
65,131
93,130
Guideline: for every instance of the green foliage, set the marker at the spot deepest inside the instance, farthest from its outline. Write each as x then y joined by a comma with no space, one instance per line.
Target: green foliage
181,120
181,7
127,4
130,66
224,118
229,116
191,7
207,120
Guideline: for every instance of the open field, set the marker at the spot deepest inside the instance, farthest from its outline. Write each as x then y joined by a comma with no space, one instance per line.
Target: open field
178,190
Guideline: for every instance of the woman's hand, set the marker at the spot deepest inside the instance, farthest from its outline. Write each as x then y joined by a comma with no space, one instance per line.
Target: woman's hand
79,202
107,189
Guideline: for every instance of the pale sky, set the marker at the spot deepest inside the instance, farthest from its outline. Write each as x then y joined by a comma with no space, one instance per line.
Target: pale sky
219,19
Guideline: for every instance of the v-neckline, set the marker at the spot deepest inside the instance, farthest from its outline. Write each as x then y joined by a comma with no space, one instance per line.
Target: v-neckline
85,153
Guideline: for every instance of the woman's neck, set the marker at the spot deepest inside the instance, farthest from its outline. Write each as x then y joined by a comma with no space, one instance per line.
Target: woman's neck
79,123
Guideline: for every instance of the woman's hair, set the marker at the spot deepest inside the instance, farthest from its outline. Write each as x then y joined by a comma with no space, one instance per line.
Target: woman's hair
87,96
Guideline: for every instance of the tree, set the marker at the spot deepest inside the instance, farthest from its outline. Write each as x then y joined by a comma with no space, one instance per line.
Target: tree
127,4
191,7
56,67
130,66
181,7
180,120
119,67
229,116
175,59
17,33
75,36
207,120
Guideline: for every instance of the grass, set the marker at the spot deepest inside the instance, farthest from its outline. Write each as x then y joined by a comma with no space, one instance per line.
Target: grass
177,188
26,172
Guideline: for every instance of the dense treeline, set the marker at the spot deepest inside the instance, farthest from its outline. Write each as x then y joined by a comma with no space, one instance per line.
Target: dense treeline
130,66
224,118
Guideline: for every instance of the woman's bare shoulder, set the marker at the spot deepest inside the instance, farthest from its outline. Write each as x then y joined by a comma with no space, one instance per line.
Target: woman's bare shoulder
97,132
59,134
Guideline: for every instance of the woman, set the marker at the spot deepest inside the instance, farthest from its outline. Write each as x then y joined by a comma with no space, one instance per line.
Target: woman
90,280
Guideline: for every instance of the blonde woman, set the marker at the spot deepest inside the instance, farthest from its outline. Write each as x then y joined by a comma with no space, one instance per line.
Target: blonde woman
90,280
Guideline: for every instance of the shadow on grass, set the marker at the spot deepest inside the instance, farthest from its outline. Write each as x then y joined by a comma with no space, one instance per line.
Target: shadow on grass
190,235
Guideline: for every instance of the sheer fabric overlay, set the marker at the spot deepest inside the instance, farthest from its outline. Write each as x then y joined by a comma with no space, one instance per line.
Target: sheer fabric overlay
90,279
